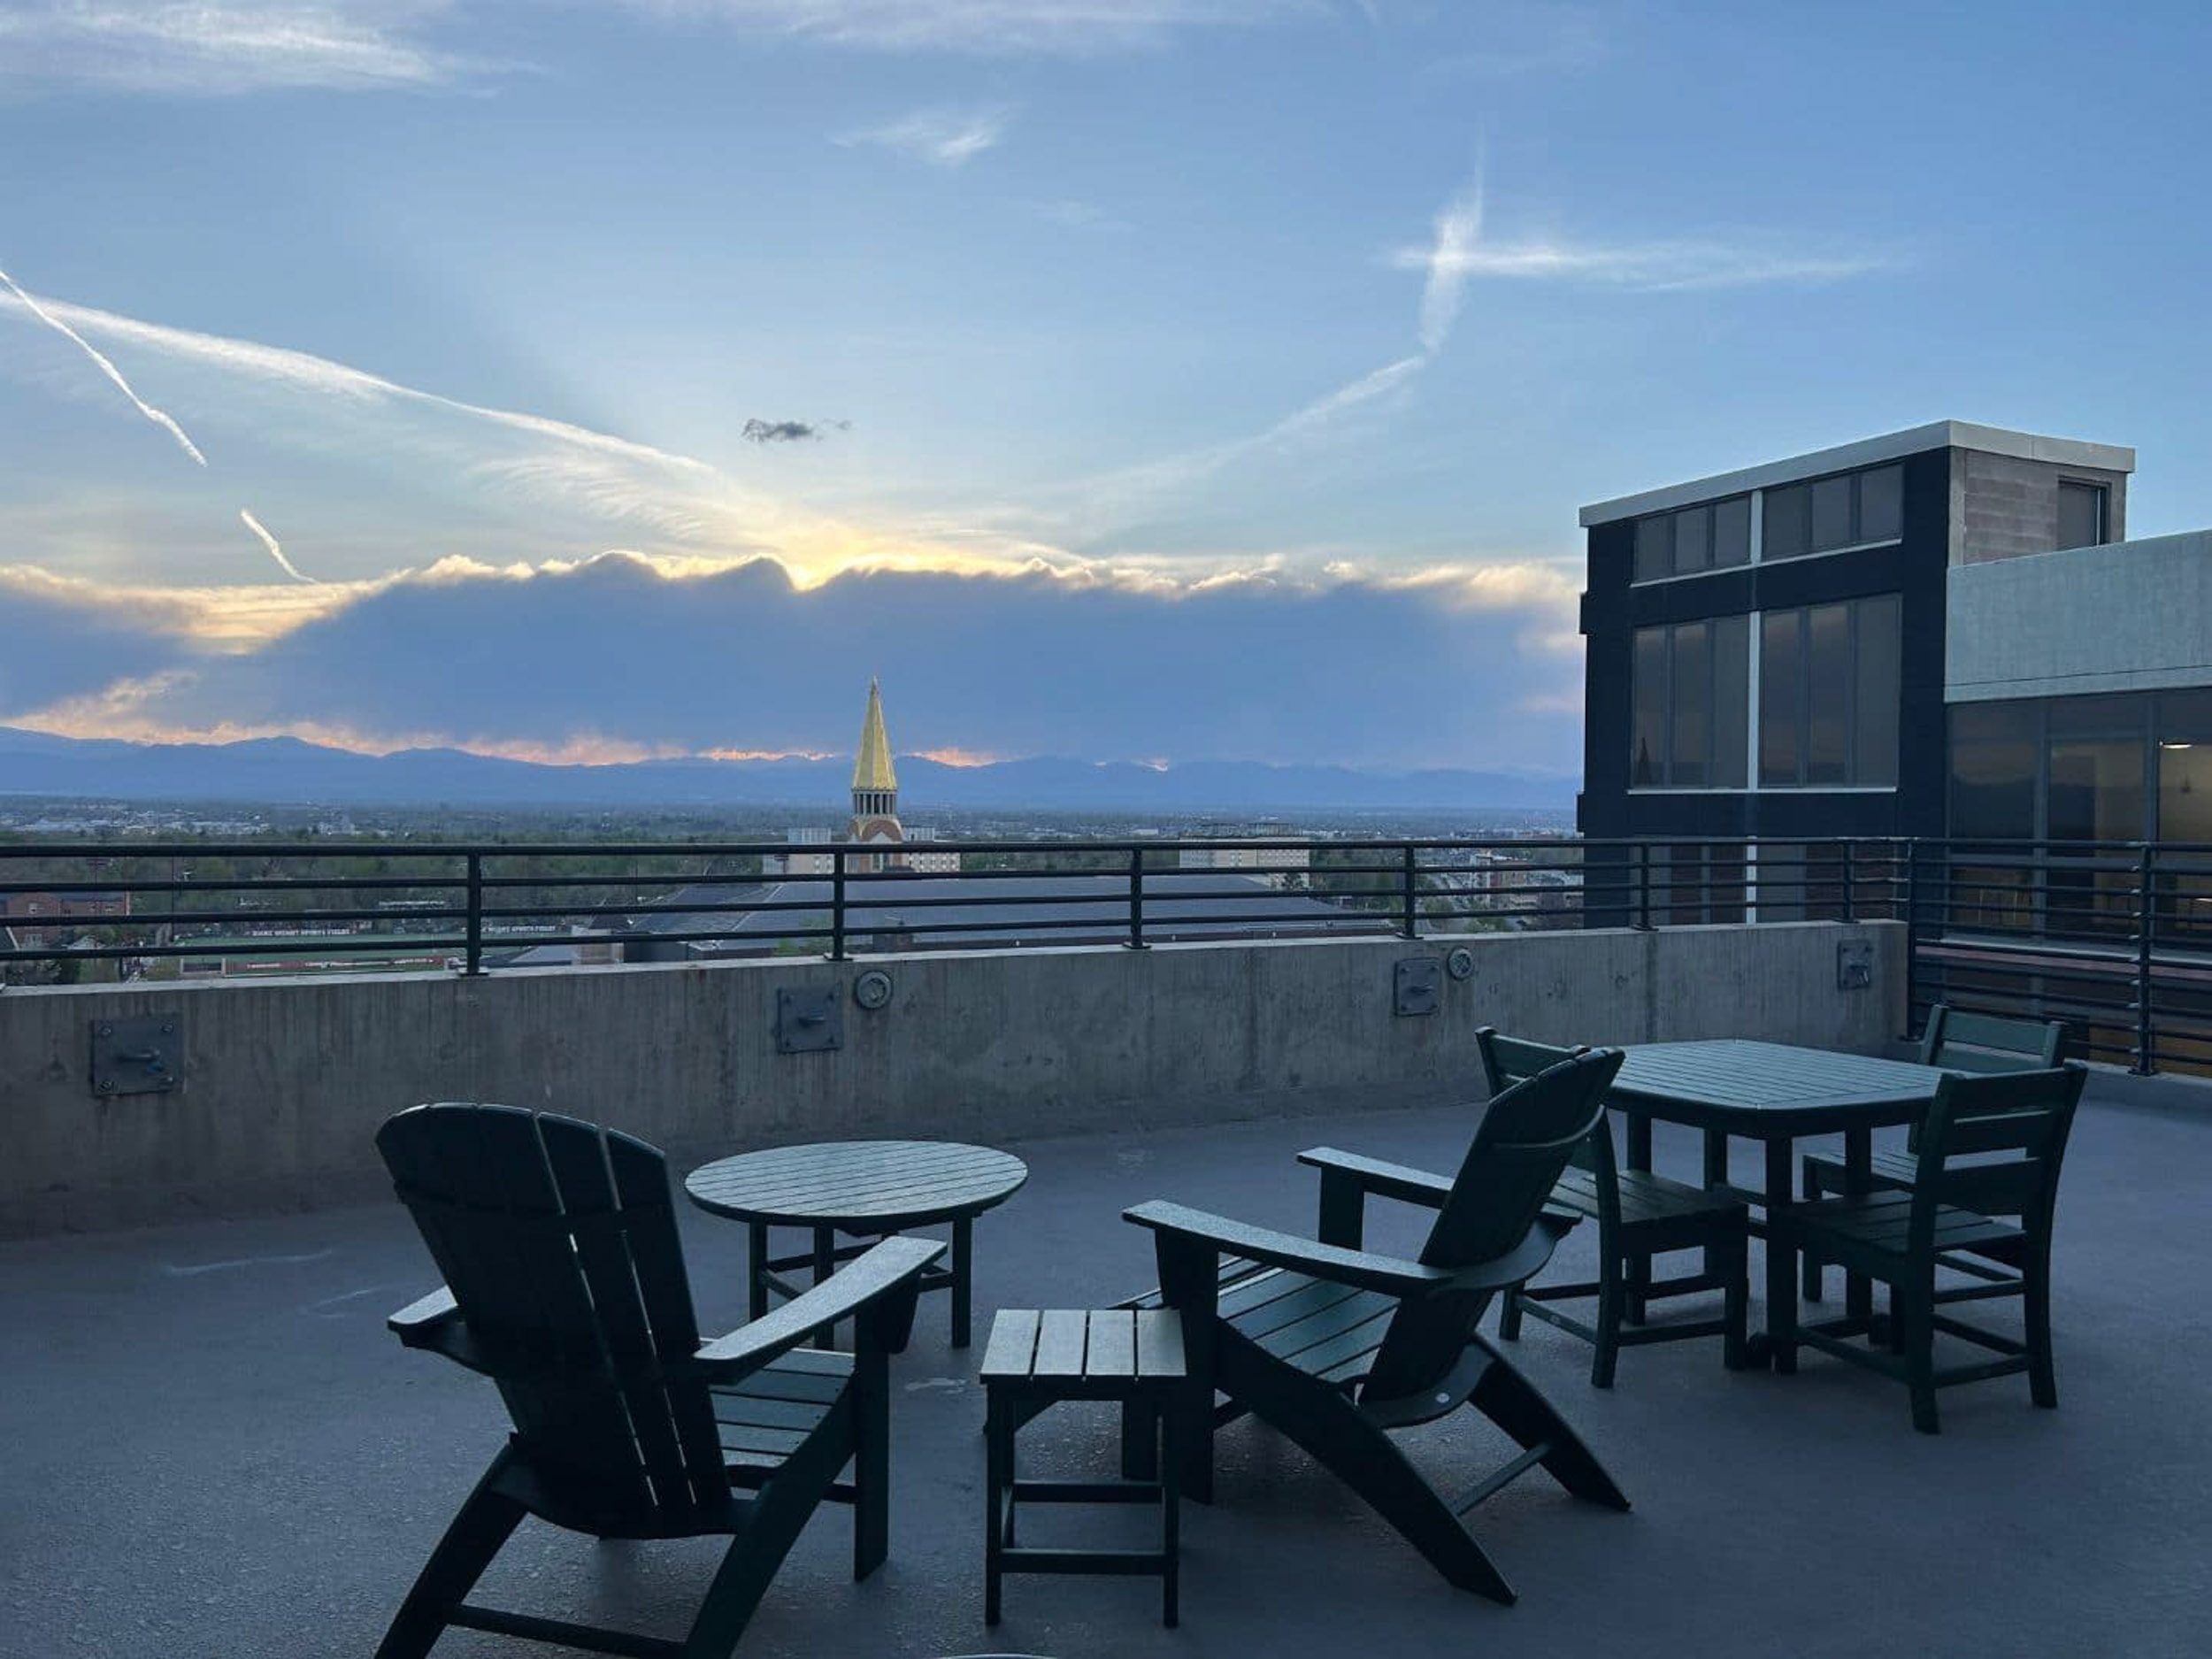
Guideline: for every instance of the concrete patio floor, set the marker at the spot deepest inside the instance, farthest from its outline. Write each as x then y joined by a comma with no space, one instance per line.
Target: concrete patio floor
209,1445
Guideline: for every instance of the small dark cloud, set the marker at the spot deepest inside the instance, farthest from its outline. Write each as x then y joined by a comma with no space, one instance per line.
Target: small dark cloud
792,431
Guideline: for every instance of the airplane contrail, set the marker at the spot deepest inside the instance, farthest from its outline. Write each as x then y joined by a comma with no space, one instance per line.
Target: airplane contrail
158,417
275,552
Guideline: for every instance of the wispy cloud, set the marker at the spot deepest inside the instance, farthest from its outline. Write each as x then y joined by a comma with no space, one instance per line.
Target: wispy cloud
994,27
106,367
1654,266
610,477
942,137
1458,226
222,46
275,551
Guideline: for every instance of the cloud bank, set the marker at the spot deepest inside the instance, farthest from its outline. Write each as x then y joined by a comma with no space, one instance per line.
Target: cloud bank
217,47
1453,668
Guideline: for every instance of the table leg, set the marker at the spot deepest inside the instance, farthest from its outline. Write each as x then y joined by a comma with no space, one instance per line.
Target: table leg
1636,1299
1858,1168
1171,1520
1781,1259
1716,1175
998,1479
757,1294
963,1272
825,1264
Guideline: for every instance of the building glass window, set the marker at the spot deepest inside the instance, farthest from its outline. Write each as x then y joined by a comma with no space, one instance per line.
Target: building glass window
1689,693
1710,537
1994,751
2081,514
1882,504
2183,759
1832,513
1828,694
1850,509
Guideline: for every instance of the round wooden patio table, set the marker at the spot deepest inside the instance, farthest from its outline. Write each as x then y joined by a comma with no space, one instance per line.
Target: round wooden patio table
866,1189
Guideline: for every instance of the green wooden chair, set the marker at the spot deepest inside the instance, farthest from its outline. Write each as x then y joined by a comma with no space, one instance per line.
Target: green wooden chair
1639,1215
1900,1237
1984,1045
566,1286
1335,1346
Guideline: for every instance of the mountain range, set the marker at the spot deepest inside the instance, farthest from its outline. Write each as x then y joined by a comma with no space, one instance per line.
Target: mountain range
290,771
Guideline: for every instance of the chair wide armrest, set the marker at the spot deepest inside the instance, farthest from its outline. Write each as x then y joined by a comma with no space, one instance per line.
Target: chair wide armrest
1378,1176
418,1319
1363,1269
433,1323
878,1288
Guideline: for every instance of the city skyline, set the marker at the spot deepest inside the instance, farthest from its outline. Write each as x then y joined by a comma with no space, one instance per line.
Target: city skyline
1166,382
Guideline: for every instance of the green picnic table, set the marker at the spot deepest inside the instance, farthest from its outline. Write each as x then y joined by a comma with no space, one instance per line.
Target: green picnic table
1772,1093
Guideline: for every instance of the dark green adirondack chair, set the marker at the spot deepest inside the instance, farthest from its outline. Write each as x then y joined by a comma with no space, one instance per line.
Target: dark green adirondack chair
1900,1237
1334,1346
1986,1045
566,1286
1639,1215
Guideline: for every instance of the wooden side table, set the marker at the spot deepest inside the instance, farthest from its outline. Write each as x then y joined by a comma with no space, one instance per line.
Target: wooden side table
868,1189
1036,1360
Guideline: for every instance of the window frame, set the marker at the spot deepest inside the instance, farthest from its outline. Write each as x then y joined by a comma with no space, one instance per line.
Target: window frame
1720,741
1673,519
1800,698
2103,492
1801,488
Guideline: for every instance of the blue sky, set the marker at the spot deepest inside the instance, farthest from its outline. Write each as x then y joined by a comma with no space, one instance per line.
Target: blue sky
1259,350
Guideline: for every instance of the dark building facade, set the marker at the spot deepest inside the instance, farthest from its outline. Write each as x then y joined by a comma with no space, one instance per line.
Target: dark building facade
1767,648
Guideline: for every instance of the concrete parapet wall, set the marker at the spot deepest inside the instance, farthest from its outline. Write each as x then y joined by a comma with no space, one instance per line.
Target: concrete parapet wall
286,1081
2127,617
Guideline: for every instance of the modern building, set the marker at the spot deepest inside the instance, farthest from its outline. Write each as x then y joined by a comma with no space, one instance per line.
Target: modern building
1940,631
875,816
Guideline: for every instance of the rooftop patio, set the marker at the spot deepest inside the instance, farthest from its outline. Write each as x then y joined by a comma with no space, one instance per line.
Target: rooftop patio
213,1446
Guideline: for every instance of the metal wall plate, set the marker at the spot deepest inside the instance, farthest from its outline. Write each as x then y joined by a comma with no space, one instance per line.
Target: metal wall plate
1854,965
144,1055
1420,985
872,989
1459,962
810,1021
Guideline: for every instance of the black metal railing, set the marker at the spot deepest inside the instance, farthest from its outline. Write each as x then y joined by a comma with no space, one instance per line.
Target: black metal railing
2114,938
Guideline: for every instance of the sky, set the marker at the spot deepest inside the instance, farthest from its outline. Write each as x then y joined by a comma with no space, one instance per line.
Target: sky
1156,380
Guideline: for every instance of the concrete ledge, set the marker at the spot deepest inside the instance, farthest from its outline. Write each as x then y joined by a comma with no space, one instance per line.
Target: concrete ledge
286,1081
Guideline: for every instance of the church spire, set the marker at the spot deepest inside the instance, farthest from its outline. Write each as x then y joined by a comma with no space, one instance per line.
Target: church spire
875,785
871,767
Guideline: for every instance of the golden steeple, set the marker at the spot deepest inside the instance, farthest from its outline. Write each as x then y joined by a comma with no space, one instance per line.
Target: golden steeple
871,767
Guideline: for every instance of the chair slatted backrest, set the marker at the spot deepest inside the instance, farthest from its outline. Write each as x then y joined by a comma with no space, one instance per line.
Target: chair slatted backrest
1990,1043
1524,1142
1509,1060
558,1240
2028,1113
1987,1045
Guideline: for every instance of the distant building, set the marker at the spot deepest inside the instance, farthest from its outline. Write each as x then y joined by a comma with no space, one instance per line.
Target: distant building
64,915
875,819
1277,861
